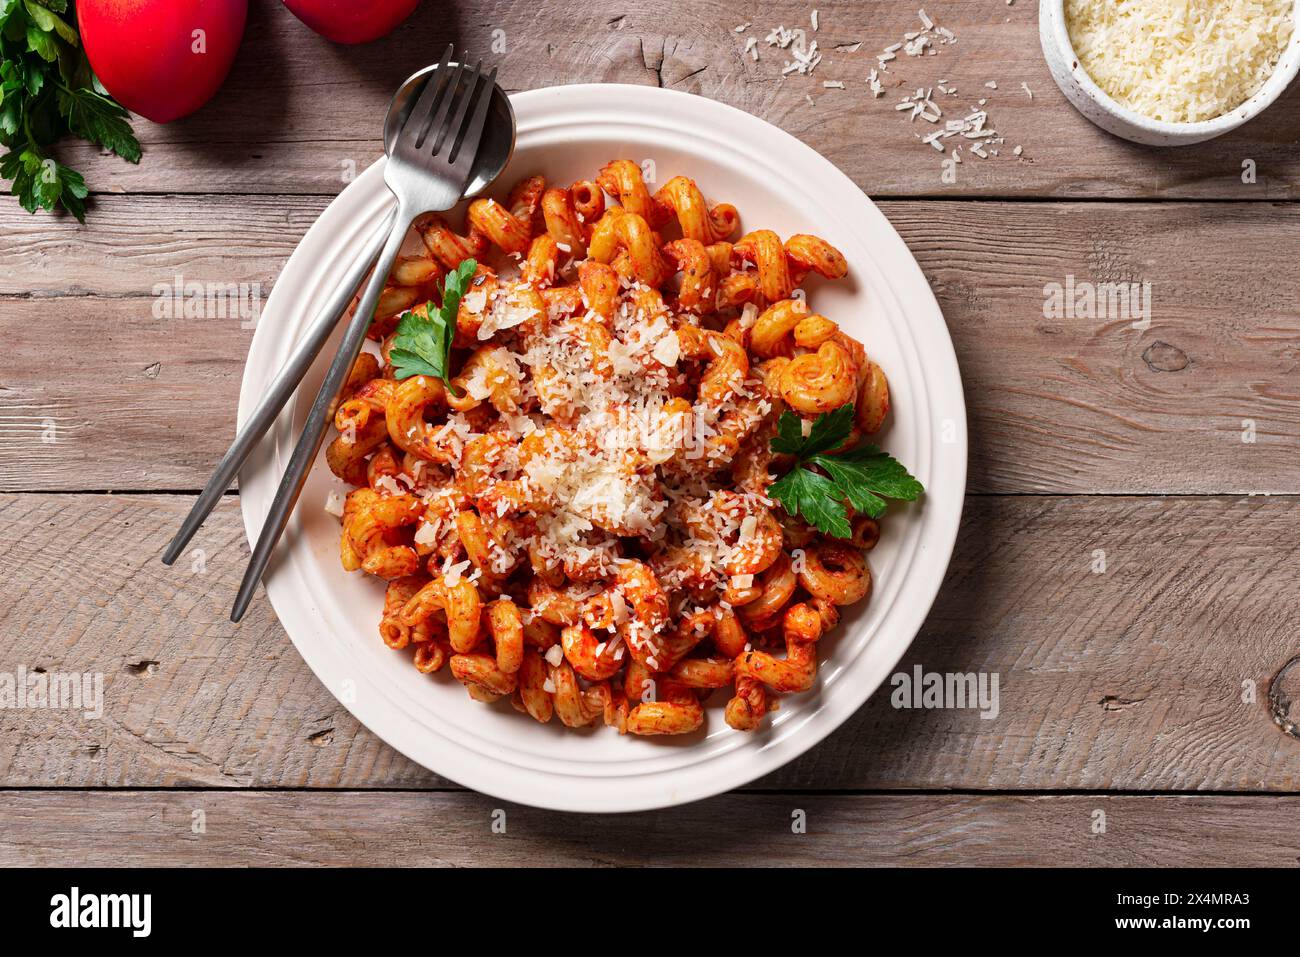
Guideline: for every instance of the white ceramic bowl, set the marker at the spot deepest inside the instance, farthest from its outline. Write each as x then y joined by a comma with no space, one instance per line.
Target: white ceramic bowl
1101,109
332,617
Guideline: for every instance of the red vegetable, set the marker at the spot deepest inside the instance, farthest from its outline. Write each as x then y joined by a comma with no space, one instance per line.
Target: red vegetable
162,59
348,21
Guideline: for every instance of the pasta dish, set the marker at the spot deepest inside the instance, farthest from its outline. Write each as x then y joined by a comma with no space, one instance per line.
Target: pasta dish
607,458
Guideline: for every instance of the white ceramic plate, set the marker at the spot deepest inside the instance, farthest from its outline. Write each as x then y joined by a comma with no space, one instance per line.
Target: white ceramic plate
567,133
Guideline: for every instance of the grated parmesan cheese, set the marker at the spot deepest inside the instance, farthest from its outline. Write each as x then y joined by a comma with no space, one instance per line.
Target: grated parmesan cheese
1179,61
667,350
334,503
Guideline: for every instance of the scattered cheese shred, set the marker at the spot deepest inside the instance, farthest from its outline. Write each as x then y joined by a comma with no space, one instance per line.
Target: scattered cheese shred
334,503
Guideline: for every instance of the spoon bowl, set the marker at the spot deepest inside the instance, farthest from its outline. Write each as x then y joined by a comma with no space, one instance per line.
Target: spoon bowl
498,143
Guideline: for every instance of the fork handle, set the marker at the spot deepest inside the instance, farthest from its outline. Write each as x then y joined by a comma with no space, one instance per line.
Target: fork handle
304,453
282,387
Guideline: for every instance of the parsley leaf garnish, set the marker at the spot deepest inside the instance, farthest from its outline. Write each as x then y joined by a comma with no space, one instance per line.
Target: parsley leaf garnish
814,496
863,476
48,90
830,430
422,345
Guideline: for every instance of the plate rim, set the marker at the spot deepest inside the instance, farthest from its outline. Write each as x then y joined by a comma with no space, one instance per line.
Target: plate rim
356,212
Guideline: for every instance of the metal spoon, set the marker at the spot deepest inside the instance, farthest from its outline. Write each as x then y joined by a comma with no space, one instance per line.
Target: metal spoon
494,153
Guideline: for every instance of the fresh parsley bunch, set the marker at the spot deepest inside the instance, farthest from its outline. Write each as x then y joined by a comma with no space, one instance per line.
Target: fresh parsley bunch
47,90
863,476
422,345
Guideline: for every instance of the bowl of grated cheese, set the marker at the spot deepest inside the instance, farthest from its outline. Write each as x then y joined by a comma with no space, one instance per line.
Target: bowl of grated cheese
1170,72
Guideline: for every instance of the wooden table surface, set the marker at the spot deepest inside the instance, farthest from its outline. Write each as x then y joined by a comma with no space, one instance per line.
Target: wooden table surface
1137,703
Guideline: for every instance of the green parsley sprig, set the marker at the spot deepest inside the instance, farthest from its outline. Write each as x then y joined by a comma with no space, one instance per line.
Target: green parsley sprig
863,476
422,345
47,90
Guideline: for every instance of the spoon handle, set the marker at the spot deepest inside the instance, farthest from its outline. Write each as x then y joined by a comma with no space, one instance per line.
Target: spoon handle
318,418
279,391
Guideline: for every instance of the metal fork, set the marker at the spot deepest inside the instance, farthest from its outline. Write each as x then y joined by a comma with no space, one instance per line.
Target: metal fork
278,393
427,170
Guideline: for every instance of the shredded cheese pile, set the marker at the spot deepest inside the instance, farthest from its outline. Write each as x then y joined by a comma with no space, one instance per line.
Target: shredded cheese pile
1180,61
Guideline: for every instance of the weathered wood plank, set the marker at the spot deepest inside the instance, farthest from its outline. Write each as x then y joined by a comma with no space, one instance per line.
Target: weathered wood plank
1151,675
1056,405
139,242
259,828
298,114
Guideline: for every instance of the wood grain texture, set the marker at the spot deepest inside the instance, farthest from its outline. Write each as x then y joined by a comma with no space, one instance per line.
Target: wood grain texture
375,829
1055,405
298,114
1131,679
1173,669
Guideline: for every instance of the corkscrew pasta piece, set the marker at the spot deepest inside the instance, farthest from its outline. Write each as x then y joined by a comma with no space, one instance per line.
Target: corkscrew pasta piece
482,673
729,636
771,334
542,263
725,362
735,289
599,288
698,292
763,248
705,673
369,520
588,201
563,302
760,543
364,370
563,225
748,705
778,583
414,271
812,330
814,254
558,606
488,373
407,426
362,426
622,179
397,635
577,520
677,711
431,655
866,532
625,238
820,381
460,605
525,203
873,398
646,606
531,690
681,198
592,657
499,225
798,669
577,707
485,544
445,245
394,299
681,637
836,572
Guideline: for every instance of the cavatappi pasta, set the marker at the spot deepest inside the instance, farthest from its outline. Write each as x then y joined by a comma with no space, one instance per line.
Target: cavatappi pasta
581,524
